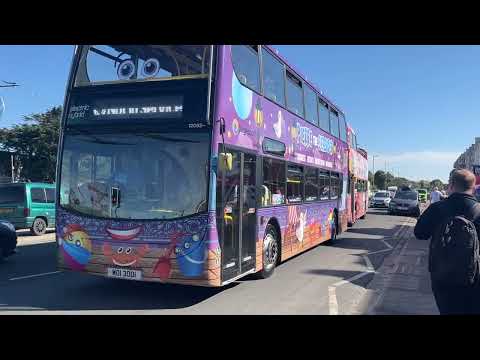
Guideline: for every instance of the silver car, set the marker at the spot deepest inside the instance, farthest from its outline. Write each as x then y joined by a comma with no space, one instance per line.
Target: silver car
405,202
380,199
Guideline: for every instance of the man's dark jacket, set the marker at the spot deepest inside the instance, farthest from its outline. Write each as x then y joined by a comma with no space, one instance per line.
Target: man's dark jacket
456,204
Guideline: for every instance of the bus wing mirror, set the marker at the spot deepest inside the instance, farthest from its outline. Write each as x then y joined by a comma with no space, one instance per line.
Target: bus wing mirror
225,161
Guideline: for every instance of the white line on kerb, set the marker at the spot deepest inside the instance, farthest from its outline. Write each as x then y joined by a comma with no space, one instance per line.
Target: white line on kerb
36,275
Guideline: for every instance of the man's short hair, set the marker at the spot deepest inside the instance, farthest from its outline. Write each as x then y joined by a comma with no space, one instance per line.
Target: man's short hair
462,180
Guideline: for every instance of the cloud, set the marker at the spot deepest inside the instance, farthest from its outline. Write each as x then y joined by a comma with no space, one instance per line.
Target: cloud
417,165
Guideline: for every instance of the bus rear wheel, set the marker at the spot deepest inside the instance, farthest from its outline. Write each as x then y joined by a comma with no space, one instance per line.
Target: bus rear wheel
271,251
334,231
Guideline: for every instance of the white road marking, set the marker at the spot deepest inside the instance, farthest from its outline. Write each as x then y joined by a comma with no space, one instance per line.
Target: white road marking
332,301
36,275
386,244
369,264
332,290
378,251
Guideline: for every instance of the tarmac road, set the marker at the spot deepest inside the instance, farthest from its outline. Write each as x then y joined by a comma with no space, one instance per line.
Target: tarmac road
328,279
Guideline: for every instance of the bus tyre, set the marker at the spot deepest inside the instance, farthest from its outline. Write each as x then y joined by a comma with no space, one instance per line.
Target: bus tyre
364,216
39,227
270,253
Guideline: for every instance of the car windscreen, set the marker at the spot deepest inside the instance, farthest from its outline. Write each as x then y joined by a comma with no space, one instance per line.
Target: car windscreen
12,195
406,195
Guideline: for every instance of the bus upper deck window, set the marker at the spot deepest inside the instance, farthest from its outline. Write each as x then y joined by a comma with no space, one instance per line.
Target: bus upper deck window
104,63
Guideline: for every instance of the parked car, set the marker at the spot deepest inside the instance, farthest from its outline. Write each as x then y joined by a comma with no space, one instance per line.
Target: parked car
380,199
28,206
422,195
405,202
8,239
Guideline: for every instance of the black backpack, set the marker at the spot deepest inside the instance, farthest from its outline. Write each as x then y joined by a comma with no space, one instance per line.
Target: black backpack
454,251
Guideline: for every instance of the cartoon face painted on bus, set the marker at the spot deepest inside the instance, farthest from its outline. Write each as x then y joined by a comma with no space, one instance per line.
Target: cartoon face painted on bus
76,246
124,255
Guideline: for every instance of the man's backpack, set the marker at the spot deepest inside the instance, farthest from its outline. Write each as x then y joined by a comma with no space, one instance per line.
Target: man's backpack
454,251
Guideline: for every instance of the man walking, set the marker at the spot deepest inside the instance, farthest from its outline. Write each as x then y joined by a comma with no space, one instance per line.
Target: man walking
453,225
435,195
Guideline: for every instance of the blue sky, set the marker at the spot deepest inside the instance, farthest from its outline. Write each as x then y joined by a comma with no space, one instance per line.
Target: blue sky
415,107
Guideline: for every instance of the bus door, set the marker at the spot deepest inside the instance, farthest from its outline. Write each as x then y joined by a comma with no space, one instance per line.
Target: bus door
236,212
353,187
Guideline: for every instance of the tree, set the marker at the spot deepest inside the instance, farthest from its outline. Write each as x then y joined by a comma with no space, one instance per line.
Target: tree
380,179
35,145
437,182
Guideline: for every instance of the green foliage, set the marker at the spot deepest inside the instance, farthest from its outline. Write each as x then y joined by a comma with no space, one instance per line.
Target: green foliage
380,179
438,183
35,144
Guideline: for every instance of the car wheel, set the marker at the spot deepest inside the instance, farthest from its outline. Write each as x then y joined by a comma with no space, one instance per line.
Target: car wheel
271,250
39,227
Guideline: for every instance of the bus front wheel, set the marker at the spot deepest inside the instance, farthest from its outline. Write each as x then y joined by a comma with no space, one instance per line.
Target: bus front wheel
271,251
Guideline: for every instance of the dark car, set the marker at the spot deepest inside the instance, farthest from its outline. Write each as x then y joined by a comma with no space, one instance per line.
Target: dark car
405,202
8,239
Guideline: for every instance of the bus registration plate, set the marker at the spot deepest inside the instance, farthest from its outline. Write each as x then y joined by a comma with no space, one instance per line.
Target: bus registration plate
124,274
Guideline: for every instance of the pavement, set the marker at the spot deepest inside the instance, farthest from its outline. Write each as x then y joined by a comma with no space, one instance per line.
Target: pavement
354,275
401,286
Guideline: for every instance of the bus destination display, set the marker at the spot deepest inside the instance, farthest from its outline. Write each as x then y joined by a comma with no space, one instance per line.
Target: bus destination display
166,107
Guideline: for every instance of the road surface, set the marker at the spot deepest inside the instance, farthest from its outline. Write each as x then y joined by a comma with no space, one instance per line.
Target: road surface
329,279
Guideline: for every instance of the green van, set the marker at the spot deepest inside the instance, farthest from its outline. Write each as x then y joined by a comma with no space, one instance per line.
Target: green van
422,195
28,206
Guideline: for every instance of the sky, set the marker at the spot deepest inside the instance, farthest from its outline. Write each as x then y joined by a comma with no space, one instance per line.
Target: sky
414,108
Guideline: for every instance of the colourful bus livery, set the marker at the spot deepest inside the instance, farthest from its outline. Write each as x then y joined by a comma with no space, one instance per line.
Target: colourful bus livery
197,164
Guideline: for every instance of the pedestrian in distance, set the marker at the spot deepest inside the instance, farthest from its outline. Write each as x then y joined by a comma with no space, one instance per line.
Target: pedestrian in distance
453,225
435,195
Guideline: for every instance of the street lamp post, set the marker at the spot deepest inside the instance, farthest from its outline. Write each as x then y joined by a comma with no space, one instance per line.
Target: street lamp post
373,158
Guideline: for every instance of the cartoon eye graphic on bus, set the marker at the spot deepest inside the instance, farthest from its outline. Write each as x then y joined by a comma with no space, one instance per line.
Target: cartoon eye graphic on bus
151,67
126,69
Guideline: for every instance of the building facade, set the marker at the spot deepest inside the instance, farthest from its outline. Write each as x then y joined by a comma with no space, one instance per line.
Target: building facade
470,157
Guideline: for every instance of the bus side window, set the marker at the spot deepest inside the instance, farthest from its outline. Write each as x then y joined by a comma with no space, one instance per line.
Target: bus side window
274,180
273,78
246,65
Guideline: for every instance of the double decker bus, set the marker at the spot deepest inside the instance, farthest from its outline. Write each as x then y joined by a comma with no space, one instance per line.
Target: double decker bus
357,193
195,164
476,171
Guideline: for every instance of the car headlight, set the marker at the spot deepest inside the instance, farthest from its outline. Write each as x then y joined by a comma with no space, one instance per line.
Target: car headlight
8,225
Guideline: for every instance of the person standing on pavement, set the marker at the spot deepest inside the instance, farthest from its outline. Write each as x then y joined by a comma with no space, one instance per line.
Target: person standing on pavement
452,296
435,195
